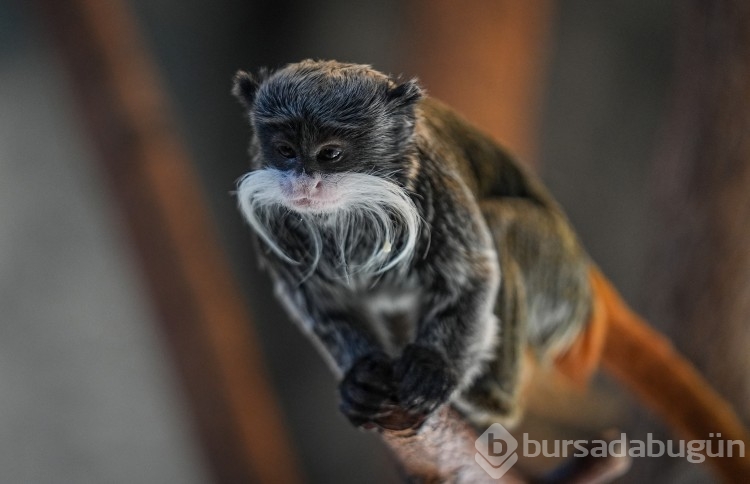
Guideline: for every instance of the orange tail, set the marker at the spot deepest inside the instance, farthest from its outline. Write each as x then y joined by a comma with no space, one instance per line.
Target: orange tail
649,366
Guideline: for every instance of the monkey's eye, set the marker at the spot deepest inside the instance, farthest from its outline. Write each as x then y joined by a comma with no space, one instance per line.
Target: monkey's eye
329,153
286,151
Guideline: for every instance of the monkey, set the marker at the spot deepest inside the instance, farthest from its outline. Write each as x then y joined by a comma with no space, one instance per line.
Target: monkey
421,258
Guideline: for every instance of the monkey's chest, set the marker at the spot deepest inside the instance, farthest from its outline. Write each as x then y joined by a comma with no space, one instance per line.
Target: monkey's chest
344,248
393,317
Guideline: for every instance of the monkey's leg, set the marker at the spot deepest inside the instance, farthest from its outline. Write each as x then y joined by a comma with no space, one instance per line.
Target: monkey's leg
493,396
543,302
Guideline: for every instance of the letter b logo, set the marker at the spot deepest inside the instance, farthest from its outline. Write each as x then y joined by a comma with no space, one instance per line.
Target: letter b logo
496,449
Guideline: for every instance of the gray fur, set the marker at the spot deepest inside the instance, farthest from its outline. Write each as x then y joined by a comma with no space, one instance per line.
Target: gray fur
457,332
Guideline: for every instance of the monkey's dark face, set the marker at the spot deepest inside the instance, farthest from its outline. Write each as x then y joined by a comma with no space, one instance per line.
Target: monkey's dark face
330,142
315,121
308,157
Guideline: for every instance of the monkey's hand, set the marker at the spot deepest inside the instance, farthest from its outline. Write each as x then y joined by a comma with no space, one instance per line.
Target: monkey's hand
425,380
368,393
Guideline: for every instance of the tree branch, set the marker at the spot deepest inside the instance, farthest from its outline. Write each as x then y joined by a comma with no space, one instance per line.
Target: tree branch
443,450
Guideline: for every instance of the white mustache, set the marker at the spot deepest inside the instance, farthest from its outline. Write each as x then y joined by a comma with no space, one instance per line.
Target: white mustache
368,206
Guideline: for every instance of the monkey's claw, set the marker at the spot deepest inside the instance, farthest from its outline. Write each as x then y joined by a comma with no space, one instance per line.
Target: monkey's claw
368,391
425,380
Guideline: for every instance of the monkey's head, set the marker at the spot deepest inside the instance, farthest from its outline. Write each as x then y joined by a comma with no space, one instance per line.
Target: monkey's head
332,143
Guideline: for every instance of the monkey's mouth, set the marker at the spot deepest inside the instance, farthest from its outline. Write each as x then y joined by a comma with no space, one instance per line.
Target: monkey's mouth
313,204
309,194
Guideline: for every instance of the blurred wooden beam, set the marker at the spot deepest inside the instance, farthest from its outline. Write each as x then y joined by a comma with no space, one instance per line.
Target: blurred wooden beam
487,59
700,276
701,288
201,312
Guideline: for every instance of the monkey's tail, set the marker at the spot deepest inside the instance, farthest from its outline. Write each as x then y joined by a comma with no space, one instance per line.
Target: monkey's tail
645,361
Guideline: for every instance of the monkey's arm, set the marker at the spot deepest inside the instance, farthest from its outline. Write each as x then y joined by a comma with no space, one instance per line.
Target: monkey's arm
455,332
342,333
459,277
367,390
339,329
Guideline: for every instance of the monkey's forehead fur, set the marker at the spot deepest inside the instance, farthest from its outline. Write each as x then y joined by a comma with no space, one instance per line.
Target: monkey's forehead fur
318,89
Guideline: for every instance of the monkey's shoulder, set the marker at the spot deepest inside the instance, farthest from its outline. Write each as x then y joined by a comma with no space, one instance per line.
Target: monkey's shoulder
489,170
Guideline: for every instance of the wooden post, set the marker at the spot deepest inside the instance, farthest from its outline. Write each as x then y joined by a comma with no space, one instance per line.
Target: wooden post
486,59
700,281
701,289
201,312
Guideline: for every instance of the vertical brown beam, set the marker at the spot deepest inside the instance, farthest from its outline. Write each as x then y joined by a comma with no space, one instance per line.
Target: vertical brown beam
700,281
206,323
486,58
701,277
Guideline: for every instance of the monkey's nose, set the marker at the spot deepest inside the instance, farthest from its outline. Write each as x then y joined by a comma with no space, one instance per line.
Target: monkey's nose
305,185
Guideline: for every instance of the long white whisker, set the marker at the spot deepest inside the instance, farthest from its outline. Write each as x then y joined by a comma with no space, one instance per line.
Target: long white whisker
257,192
374,214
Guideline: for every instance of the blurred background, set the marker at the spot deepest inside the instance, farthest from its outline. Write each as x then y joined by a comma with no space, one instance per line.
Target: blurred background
112,365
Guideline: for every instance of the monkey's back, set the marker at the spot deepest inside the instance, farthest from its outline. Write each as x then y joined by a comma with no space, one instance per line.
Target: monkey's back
488,169
532,235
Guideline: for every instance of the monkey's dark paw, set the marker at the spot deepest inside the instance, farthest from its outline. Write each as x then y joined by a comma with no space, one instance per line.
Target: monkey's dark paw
368,391
425,380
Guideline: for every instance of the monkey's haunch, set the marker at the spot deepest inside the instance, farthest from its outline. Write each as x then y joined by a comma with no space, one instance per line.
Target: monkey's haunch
649,366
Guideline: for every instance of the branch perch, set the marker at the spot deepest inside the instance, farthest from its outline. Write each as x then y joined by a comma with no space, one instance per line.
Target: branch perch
443,450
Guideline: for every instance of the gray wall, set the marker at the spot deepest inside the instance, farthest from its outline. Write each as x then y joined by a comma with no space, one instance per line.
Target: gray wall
86,392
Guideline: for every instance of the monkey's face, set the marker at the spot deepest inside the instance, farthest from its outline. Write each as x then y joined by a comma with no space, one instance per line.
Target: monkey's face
315,122
330,142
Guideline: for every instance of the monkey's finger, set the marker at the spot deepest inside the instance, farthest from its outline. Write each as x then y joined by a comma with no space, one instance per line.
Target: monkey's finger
375,377
362,397
374,384
368,385
423,386
401,420
359,415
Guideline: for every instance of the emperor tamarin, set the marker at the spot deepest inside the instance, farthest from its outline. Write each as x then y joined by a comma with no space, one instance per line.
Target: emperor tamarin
420,257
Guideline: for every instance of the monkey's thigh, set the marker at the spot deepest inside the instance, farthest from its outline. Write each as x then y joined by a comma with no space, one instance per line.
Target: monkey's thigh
542,302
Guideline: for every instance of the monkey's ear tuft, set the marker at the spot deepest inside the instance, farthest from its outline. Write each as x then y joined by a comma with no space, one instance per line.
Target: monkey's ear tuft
406,93
244,88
